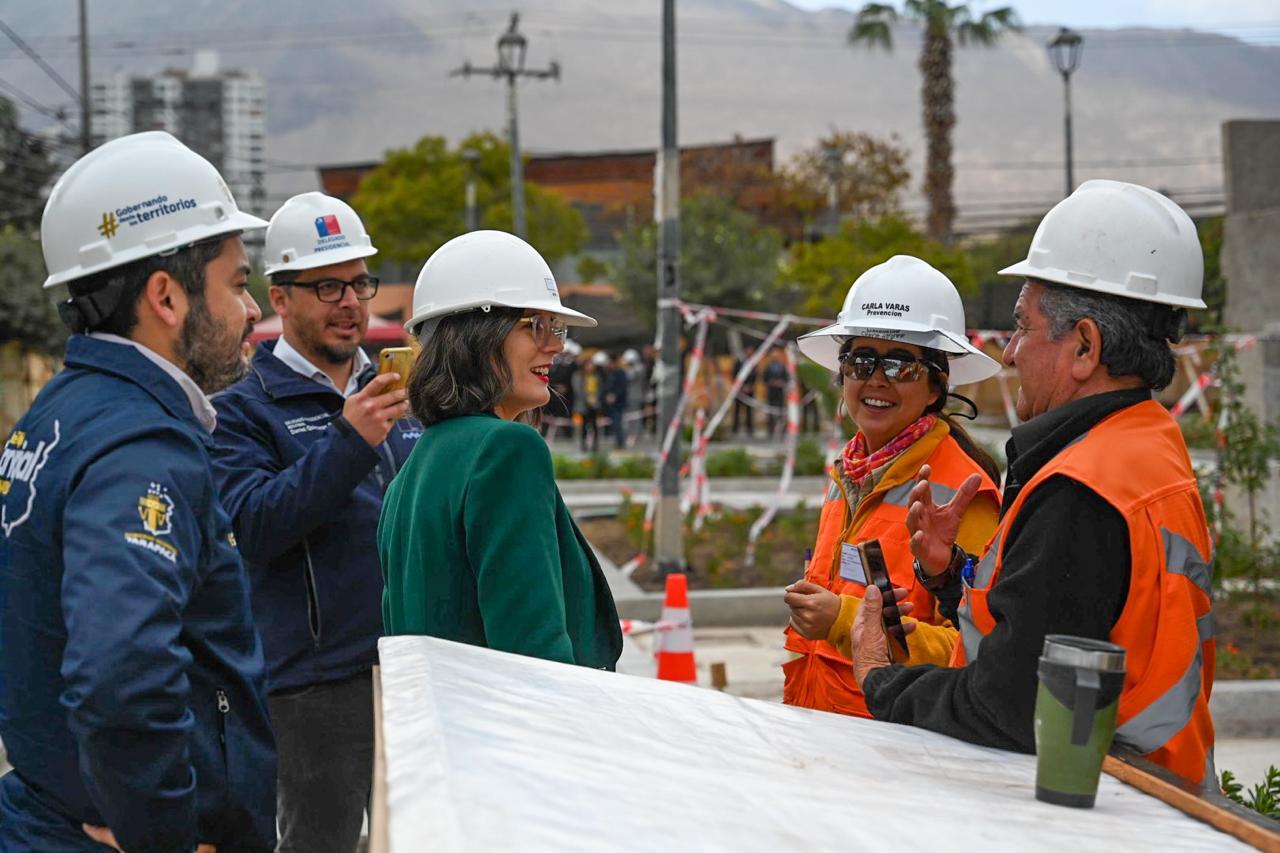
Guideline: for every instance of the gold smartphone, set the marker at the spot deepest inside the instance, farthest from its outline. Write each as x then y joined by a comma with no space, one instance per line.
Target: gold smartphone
396,360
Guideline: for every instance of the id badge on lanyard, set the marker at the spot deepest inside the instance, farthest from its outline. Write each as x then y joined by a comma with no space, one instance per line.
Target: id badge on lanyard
851,568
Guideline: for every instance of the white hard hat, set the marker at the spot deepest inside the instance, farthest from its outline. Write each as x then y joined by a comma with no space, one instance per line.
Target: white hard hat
131,198
482,269
600,359
1122,239
631,356
572,347
904,299
314,230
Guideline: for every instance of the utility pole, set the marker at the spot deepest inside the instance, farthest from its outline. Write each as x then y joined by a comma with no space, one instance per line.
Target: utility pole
471,156
512,47
86,113
833,161
668,544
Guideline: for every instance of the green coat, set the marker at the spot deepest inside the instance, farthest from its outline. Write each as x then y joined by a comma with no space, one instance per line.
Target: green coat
477,546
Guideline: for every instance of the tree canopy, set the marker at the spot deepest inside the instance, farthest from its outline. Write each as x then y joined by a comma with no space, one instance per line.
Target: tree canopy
823,271
26,170
726,258
415,201
27,314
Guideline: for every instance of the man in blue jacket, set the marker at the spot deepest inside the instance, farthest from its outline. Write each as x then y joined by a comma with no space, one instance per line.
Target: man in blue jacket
306,446
132,699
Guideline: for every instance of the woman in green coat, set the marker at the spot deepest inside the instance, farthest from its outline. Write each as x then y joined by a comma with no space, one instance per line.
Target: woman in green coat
476,543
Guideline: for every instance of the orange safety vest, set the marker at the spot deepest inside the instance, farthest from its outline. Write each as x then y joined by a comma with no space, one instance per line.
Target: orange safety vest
1166,626
822,678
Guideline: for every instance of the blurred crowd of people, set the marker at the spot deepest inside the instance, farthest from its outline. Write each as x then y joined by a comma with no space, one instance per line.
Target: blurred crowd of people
597,395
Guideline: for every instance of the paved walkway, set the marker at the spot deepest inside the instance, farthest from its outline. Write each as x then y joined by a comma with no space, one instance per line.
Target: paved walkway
753,658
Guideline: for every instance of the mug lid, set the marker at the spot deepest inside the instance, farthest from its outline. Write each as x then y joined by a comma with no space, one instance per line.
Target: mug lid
1083,652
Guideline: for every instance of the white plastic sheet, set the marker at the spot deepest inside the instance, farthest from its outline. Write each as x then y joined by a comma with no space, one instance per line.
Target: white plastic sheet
489,751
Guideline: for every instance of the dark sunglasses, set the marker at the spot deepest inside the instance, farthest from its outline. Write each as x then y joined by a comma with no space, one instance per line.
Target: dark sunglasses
335,289
862,364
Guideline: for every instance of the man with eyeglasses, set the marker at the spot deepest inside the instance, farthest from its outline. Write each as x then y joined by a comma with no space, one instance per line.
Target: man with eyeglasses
306,445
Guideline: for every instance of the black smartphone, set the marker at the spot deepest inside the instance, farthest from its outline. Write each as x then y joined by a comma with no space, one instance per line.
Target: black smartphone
878,573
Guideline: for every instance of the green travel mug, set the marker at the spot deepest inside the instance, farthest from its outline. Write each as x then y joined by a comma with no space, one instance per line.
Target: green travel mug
1080,684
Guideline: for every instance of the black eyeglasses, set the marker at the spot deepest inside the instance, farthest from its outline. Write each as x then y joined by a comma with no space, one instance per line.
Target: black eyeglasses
543,329
862,364
335,289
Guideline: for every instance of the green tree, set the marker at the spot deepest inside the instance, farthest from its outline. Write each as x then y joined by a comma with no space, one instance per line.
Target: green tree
823,271
27,314
941,22
415,201
1215,286
1250,446
726,259
869,175
26,171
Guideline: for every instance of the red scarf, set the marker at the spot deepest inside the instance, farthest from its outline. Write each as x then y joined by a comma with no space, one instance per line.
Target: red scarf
858,464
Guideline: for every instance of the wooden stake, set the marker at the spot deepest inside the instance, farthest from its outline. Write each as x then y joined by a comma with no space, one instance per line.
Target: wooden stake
1191,804
719,675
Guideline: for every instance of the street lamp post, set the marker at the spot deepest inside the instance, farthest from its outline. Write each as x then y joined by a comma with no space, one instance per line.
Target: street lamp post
470,156
833,162
1065,51
512,47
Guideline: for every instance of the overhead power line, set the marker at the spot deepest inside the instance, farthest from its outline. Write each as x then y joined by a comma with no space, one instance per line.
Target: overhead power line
39,60
32,103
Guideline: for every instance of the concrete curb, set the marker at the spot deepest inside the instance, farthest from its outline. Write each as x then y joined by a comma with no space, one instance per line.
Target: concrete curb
1241,709
1246,709
715,608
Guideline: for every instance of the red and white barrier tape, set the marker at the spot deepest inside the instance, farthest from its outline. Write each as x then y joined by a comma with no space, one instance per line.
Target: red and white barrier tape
1192,394
789,463
747,367
703,318
639,626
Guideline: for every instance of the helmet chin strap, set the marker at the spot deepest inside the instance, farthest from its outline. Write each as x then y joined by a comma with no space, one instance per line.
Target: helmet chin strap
82,313
1165,323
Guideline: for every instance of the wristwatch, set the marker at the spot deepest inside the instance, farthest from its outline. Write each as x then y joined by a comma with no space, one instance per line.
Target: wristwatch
933,583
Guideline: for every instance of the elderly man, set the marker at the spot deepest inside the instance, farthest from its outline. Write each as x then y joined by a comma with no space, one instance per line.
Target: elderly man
132,699
1102,532
306,445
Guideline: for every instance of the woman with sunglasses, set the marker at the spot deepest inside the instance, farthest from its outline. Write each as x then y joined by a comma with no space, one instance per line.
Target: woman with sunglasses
476,543
895,347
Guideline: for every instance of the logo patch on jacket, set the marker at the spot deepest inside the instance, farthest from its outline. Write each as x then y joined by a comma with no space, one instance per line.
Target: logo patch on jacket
155,508
20,464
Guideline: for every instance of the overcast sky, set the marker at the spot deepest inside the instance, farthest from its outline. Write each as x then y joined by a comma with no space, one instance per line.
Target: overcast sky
1252,20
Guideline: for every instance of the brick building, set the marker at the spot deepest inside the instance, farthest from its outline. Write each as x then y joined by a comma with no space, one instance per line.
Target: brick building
612,190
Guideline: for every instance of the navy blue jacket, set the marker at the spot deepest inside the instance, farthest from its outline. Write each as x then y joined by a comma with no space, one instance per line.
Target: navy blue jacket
305,491
132,688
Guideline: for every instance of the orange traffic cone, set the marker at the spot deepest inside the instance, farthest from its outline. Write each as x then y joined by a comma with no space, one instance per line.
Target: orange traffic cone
675,634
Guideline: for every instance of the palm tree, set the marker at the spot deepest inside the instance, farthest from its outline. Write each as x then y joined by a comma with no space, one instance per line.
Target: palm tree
873,28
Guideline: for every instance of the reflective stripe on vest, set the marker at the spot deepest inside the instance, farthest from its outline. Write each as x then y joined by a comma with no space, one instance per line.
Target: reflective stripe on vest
1204,627
1153,726
899,494
970,633
1182,558
1164,706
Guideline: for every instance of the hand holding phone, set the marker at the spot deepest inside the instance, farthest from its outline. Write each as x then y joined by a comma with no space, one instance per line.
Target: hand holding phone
396,360
891,617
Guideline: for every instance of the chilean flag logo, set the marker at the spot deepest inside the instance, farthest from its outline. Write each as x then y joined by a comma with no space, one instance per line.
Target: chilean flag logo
327,226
